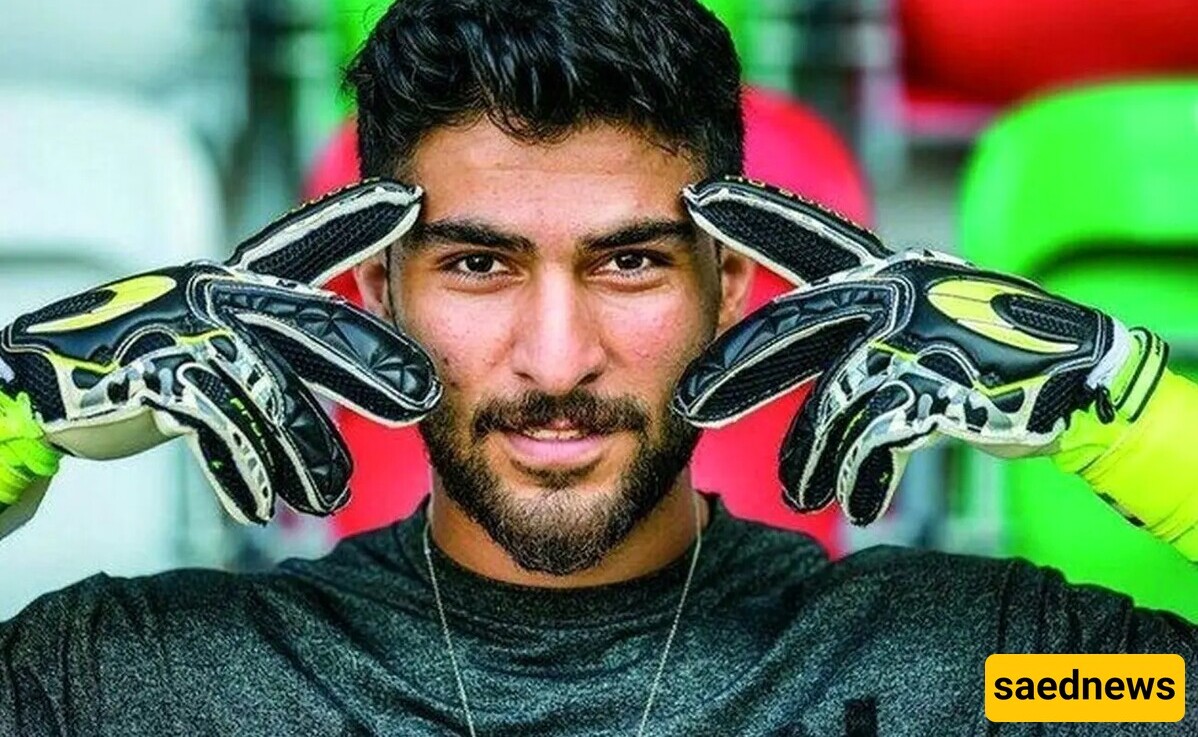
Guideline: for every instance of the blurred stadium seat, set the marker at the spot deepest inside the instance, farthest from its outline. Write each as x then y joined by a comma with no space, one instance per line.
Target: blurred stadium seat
961,61
187,56
786,144
97,187
1093,193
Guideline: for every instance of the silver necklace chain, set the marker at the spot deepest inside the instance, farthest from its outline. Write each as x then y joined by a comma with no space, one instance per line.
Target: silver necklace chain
661,665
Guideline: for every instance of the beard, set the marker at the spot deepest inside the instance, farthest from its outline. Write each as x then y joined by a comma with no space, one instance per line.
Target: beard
560,532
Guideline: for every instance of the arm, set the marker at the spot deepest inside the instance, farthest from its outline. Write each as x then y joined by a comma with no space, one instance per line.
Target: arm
1145,467
27,463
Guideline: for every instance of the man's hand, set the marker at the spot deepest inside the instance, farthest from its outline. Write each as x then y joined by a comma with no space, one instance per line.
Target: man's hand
224,355
902,346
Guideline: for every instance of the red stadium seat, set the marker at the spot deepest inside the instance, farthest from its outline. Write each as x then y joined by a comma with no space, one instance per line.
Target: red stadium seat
785,144
962,60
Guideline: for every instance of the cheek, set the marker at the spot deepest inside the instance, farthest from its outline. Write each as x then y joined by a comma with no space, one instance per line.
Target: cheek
657,336
466,339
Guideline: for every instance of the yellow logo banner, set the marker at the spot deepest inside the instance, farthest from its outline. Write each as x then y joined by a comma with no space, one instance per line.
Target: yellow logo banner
123,297
1085,688
967,302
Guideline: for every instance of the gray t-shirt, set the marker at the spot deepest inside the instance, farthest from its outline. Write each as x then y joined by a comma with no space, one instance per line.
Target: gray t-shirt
775,640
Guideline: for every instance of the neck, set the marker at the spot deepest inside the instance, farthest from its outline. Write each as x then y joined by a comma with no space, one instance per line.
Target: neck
655,542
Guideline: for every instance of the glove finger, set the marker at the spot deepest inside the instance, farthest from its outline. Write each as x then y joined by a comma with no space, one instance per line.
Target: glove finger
875,450
808,459
322,238
311,464
318,455
228,440
775,350
345,353
798,239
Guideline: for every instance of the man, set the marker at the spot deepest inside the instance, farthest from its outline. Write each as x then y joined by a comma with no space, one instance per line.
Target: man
564,577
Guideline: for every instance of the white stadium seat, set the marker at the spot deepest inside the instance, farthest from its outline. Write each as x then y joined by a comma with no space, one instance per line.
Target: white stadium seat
94,187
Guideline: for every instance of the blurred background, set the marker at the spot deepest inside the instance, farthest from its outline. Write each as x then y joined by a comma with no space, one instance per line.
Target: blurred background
1056,139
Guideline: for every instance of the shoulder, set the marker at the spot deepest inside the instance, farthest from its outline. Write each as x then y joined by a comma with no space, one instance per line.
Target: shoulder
107,636
183,621
201,600
933,583
99,594
912,571
200,609
1009,603
927,578
108,608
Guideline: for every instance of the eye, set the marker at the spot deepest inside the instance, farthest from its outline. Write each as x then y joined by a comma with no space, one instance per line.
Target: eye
630,263
478,264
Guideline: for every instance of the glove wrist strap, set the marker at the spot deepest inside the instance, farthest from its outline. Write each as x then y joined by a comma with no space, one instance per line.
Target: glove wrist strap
24,454
1124,390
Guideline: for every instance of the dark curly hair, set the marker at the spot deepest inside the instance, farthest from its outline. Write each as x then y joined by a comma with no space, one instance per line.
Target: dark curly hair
539,69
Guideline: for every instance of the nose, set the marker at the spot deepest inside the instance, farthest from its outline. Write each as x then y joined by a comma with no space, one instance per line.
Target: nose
558,342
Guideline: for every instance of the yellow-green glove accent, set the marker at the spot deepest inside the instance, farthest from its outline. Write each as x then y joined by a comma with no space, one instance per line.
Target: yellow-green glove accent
24,456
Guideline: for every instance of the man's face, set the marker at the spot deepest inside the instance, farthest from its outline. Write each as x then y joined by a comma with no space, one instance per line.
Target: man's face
561,290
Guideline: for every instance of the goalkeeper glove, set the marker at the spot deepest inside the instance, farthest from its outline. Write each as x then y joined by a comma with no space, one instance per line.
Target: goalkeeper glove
224,354
901,347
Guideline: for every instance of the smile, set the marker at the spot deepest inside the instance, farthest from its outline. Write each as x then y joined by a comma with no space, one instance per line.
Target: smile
554,447
551,434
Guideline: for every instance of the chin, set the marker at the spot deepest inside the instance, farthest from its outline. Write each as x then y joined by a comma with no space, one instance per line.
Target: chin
577,496
557,509
556,496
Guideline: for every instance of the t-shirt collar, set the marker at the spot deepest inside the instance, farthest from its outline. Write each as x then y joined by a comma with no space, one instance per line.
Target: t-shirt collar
471,594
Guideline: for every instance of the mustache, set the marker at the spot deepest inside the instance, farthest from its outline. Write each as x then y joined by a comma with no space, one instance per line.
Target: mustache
587,411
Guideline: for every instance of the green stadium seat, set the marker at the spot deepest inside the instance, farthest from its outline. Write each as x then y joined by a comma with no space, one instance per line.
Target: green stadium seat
1094,194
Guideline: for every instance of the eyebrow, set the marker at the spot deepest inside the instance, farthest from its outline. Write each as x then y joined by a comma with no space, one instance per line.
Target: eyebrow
467,232
643,231
477,233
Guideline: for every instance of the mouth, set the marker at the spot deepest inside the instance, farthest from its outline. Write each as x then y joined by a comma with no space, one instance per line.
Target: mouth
560,445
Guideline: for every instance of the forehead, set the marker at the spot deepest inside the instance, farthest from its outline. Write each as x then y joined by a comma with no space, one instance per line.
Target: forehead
596,175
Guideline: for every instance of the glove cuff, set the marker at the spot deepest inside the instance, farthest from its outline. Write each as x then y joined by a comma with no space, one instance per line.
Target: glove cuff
24,454
1148,474
1129,373
1141,375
